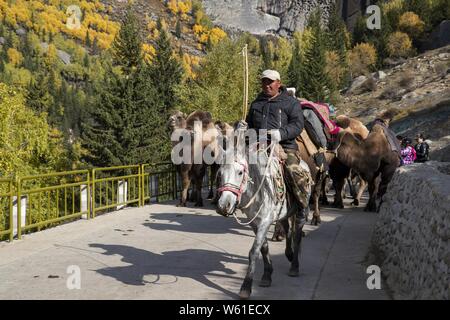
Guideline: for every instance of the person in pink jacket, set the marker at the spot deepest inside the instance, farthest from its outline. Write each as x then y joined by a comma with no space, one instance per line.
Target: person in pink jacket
408,152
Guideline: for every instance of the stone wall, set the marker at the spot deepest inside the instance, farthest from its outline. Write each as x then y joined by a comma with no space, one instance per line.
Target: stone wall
412,236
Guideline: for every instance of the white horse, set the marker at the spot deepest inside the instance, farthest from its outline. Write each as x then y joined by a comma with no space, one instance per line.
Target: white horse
253,189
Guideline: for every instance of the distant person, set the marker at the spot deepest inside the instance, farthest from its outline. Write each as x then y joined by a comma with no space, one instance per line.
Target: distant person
400,142
408,152
422,149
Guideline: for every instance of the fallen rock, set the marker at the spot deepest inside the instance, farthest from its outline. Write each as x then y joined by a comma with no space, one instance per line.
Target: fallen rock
21,32
379,75
410,95
64,56
356,84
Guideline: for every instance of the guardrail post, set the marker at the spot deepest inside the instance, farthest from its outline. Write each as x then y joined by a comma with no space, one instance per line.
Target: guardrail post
141,185
11,220
19,209
88,196
93,193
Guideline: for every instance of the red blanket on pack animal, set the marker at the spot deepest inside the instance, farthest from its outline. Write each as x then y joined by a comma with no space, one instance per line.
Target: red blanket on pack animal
323,112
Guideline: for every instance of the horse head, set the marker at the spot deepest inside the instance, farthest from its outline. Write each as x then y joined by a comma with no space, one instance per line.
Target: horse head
234,176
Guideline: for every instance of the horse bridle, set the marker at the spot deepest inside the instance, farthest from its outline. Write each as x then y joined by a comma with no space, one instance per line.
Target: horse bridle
235,189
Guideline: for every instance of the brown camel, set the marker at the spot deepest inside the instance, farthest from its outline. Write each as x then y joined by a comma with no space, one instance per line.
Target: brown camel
353,125
370,158
190,171
338,172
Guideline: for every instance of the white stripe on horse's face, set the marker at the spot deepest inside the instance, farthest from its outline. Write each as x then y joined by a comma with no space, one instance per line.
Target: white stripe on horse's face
232,176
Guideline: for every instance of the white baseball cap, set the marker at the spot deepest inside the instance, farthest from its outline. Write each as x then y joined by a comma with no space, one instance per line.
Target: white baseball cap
271,74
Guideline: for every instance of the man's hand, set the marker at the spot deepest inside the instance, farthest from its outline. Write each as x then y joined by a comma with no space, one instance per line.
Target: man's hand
275,136
241,125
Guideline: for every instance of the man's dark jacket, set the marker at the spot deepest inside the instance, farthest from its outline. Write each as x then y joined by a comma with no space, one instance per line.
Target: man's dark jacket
283,113
422,150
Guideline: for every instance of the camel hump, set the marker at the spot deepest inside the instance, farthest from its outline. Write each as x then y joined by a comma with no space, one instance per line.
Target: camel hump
343,121
203,116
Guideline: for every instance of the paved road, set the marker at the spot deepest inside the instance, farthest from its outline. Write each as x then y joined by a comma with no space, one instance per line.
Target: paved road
164,252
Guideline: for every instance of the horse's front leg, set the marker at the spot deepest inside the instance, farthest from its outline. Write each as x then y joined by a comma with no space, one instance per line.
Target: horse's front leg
297,223
260,238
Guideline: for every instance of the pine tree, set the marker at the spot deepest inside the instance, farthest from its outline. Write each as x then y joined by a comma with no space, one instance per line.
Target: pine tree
86,62
178,29
38,97
267,51
315,82
166,71
294,70
337,41
95,49
88,39
124,125
127,46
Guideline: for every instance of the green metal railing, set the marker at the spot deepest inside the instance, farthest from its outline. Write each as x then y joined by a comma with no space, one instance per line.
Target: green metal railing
107,184
159,182
51,198
6,207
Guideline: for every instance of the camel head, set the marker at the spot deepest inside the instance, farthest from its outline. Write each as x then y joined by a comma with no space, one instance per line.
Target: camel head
387,115
177,121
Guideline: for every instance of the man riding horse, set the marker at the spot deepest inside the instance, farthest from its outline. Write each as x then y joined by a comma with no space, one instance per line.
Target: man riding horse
280,114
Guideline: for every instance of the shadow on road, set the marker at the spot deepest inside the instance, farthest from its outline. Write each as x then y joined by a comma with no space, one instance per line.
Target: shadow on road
196,264
196,224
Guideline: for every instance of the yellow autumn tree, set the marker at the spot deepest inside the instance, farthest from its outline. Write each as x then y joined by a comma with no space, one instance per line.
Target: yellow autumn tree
399,44
149,52
362,58
14,56
411,24
216,34
333,67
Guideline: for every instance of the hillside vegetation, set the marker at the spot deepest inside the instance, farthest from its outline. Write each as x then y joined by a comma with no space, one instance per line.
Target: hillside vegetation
84,71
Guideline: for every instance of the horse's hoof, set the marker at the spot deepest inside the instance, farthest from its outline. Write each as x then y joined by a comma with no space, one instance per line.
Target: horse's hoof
293,272
181,205
355,203
245,294
210,196
265,283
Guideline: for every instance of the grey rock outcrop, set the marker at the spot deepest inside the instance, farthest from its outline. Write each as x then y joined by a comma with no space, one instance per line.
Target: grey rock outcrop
62,55
280,16
440,36
412,236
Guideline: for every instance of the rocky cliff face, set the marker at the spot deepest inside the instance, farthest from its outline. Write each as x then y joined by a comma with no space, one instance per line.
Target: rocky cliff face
277,16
